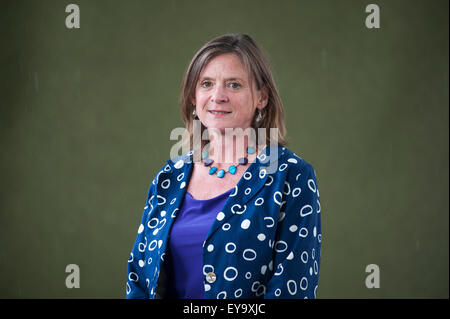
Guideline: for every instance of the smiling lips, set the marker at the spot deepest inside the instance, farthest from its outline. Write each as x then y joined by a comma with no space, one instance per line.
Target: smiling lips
218,112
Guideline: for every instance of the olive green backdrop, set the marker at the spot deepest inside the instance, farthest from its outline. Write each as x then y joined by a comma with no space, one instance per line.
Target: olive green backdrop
86,116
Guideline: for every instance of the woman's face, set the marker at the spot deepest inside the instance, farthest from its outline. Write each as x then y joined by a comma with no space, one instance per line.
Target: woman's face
223,96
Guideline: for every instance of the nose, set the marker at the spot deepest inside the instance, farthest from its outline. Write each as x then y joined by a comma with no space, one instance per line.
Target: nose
219,95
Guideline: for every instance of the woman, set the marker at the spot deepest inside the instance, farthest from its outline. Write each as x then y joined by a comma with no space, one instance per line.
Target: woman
240,216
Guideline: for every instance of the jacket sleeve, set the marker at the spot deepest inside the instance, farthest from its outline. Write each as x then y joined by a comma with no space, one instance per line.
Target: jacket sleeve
297,246
137,283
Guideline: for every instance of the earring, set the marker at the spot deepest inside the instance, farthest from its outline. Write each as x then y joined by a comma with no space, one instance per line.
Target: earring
259,116
194,114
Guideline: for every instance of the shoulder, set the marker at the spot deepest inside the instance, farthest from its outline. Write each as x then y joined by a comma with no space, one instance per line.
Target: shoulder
294,164
300,177
174,167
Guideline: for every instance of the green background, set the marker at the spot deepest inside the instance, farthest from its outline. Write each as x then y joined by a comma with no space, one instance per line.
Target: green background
86,116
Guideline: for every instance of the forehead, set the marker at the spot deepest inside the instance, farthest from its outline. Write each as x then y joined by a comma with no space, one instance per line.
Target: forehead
228,64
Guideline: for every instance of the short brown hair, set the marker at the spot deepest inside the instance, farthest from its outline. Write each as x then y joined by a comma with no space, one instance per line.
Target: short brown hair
257,67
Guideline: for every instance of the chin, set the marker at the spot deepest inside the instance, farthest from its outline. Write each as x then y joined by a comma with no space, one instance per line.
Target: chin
230,125
220,128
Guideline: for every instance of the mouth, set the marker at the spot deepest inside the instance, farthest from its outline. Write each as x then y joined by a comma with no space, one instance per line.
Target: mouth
219,113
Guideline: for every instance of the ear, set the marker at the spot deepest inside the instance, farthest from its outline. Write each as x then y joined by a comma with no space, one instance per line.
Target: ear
263,98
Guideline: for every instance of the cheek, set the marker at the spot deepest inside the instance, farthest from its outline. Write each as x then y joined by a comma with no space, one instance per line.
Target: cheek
243,105
201,99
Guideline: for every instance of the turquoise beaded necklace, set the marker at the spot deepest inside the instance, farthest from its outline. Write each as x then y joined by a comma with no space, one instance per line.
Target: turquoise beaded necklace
231,169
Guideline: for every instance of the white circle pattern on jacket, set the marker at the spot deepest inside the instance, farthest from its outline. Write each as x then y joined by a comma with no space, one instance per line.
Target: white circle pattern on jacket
275,234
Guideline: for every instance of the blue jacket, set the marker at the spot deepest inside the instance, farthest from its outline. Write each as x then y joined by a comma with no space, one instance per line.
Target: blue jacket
265,242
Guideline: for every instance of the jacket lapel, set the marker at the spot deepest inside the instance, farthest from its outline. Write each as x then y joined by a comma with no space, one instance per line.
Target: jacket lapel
255,177
171,186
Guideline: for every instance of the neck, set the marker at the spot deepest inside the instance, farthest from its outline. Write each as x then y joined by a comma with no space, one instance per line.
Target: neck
228,148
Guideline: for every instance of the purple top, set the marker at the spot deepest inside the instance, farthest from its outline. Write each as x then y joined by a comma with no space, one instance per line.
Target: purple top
185,246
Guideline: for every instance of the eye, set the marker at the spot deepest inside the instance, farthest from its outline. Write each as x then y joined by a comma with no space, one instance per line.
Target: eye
206,84
235,85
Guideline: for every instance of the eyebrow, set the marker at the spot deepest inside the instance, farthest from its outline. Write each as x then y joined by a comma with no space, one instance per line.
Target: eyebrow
227,79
